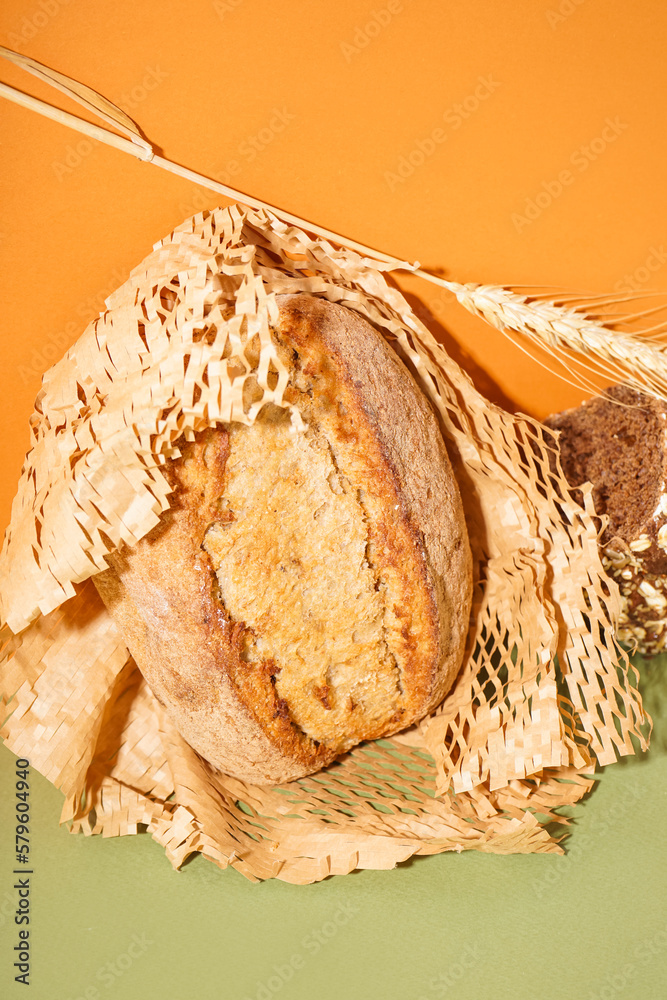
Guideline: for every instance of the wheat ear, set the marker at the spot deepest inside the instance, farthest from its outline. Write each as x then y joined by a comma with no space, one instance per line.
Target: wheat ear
565,331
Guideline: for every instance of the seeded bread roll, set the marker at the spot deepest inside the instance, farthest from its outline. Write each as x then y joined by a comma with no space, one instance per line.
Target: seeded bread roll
305,591
620,446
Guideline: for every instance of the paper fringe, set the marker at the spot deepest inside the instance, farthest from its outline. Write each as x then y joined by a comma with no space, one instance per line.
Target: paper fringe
544,692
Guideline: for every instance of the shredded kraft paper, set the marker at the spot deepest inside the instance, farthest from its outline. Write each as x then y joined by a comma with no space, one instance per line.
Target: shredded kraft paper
544,693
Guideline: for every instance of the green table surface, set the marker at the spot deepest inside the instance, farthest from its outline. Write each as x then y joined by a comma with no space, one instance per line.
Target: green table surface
111,919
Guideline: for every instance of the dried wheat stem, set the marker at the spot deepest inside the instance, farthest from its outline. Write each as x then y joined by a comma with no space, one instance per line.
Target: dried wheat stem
137,145
561,330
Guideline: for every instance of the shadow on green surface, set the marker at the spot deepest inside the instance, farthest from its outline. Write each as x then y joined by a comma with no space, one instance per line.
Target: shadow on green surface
653,686
653,689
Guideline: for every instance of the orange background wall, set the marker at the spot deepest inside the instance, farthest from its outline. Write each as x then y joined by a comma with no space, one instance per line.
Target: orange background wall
323,109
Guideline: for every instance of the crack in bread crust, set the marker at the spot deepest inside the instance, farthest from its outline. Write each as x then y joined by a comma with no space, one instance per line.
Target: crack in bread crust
379,584
292,564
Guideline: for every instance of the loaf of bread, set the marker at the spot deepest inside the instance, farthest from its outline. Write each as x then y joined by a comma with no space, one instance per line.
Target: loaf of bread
618,442
306,590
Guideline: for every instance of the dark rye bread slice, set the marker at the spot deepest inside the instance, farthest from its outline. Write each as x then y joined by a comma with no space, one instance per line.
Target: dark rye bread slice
619,444
305,591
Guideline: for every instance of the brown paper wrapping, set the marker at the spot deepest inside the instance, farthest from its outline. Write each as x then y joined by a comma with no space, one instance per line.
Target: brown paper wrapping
544,693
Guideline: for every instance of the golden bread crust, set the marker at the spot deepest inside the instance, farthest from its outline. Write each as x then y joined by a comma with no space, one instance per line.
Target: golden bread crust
310,590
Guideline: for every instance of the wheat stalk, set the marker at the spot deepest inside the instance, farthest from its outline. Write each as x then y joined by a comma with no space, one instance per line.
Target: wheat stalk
138,145
562,330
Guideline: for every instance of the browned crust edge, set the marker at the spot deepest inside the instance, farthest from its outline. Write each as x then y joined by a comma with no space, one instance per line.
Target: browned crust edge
417,470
